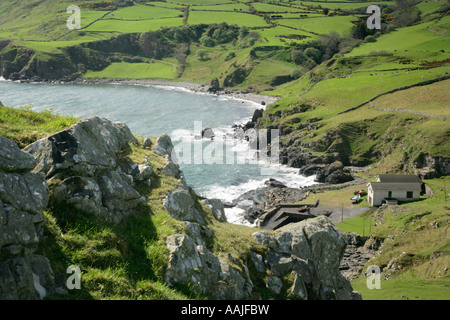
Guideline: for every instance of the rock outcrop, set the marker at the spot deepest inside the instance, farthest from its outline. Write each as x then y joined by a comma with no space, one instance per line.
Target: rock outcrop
90,160
311,250
195,264
90,147
89,171
24,274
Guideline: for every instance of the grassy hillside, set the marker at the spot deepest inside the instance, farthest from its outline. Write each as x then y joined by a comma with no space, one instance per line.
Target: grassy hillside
127,260
342,90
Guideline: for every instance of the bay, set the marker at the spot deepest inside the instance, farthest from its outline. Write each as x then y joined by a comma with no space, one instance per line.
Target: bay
150,111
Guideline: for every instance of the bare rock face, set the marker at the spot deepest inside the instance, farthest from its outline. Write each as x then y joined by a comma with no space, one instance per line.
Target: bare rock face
91,146
312,251
100,181
195,264
181,205
24,274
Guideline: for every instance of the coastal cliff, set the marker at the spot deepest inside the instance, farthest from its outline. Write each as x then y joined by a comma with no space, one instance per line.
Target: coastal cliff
95,196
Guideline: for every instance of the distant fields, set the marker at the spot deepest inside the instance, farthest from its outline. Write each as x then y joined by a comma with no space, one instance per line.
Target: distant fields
321,24
156,69
238,18
50,24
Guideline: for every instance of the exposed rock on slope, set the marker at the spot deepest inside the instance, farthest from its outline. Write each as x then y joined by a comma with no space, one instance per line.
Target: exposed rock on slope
24,274
311,250
89,159
88,170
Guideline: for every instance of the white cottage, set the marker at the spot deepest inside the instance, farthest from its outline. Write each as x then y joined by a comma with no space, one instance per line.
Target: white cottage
394,187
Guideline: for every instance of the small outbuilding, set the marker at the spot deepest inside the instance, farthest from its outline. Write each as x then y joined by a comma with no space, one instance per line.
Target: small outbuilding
394,187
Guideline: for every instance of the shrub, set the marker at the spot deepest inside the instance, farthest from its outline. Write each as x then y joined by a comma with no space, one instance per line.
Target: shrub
370,38
313,53
202,54
230,56
296,73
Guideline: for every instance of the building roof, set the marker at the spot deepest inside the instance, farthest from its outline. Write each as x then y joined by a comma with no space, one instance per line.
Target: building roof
399,178
409,186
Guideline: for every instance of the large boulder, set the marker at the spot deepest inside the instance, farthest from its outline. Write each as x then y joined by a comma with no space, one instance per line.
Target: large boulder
163,145
194,264
89,158
217,208
91,146
180,205
312,251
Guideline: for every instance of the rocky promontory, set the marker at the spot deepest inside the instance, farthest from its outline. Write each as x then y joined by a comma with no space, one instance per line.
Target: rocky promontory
86,171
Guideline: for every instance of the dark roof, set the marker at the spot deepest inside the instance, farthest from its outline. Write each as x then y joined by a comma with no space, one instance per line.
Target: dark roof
399,178
409,186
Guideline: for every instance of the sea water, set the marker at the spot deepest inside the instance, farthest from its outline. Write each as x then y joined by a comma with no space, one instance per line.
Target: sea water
150,111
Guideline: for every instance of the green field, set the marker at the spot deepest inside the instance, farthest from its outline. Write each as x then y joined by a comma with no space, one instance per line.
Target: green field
221,7
405,289
155,69
321,24
238,18
419,37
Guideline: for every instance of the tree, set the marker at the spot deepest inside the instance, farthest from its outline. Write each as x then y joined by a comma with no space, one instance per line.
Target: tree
360,30
297,56
313,53
207,41
296,73
202,54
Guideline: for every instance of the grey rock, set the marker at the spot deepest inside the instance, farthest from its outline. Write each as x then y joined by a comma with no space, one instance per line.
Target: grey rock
23,198
172,169
118,196
217,208
109,196
21,230
90,146
145,172
16,280
181,206
163,146
197,232
231,285
14,159
313,249
147,142
83,193
184,260
298,290
208,274
27,192
258,262
264,238
279,264
208,133
284,241
274,284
